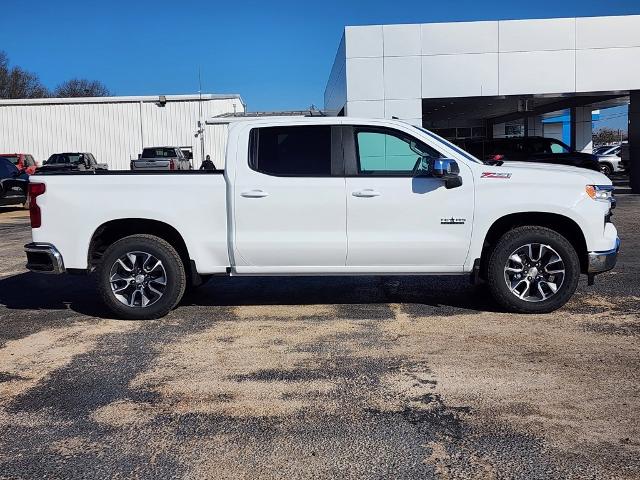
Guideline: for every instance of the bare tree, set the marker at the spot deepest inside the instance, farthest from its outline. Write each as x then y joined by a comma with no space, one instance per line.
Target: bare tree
80,87
606,135
18,83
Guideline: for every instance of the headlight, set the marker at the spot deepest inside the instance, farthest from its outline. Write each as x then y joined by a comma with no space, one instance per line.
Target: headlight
600,192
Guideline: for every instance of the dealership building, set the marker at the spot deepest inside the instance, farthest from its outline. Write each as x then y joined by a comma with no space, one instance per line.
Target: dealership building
116,129
483,79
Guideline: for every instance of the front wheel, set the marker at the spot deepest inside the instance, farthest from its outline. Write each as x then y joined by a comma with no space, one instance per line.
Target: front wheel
533,270
606,169
141,277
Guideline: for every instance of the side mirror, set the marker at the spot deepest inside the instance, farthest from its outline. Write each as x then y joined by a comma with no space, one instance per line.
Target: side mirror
445,168
448,170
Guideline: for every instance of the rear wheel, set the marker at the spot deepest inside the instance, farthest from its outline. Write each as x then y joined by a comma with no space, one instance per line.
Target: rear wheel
533,270
141,277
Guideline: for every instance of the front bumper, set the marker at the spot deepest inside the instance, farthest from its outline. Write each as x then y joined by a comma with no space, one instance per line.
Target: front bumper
603,261
43,258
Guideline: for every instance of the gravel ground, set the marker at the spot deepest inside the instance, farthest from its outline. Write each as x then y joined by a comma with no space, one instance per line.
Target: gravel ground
381,377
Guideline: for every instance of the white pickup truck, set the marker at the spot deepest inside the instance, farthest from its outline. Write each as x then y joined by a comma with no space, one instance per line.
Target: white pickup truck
327,196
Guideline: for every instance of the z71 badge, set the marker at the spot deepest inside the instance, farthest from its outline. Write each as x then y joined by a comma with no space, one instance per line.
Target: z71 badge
495,175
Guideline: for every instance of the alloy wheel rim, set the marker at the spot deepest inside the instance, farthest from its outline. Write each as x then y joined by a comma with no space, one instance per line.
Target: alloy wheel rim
138,279
534,272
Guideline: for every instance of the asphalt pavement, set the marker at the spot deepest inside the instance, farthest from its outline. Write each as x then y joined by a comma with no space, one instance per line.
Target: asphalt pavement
323,377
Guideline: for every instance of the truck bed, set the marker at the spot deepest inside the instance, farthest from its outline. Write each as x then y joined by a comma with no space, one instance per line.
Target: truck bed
193,203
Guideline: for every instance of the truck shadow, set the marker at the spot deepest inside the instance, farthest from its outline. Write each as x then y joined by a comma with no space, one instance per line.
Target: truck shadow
445,295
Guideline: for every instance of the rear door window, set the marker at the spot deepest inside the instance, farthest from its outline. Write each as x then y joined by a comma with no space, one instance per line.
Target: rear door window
291,150
540,146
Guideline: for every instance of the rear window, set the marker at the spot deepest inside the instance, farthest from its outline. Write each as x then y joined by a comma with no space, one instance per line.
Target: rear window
158,152
62,158
291,151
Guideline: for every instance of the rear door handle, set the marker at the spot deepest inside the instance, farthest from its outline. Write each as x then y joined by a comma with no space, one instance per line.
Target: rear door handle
366,193
254,194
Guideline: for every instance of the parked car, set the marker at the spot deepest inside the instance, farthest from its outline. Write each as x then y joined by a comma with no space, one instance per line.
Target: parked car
530,149
322,195
161,158
606,149
13,184
609,160
23,161
72,161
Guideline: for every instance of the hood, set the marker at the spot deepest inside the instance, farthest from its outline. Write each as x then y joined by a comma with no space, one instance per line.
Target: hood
591,177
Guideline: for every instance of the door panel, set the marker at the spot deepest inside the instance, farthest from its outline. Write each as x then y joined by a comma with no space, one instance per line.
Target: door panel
292,219
409,223
396,221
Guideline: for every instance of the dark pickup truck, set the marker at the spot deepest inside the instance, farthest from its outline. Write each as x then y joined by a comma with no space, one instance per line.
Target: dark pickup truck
71,161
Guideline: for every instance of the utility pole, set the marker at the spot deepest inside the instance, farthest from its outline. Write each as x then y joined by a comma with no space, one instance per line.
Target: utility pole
200,122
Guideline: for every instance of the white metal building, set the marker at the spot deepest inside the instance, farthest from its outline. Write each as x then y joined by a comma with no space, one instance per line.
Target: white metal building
114,129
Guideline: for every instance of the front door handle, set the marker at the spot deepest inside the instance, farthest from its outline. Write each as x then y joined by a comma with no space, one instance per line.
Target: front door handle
366,193
254,194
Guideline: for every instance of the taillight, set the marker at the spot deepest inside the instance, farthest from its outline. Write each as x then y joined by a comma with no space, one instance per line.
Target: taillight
496,157
35,189
172,165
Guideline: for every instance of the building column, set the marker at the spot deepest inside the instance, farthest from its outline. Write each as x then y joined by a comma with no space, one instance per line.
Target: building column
534,126
634,141
581,129
488,128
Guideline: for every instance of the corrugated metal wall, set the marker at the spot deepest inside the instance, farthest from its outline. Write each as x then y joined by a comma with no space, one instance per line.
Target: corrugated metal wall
113,132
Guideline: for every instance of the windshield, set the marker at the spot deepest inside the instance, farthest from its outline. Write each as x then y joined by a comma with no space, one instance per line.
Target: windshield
601,150
453,147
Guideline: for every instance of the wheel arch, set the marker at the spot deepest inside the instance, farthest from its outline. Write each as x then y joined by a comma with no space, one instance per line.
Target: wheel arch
562,224
114,230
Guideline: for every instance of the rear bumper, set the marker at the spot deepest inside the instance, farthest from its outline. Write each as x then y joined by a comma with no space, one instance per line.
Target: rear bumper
603,261
43,258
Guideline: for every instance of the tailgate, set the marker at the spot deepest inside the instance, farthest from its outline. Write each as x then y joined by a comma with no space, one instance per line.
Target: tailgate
151,164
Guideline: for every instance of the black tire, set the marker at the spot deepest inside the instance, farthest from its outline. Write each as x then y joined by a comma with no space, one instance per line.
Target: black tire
517,238
175,277
606,168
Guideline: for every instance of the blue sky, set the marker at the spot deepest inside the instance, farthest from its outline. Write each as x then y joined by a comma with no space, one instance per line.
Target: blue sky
277,54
